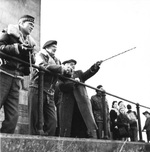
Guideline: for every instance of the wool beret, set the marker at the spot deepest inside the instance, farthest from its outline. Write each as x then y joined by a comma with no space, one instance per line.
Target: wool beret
69,61
146,112
49,43
25,18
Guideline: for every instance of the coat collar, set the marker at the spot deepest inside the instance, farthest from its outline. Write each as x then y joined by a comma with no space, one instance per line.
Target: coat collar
14,30
45,53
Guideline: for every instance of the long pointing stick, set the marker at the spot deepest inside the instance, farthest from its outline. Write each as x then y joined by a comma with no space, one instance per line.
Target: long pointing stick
119,54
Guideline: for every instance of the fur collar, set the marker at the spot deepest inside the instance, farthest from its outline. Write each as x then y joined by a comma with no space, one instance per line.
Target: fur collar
14,30
44,52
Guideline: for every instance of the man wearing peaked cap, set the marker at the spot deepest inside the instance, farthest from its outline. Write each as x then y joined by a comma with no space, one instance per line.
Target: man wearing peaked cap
28,18
49,43
146,112
69,61
76,115
147,125
70,66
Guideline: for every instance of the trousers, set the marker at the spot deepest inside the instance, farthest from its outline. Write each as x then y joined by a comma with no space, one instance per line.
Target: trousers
49,113
9,99
100,129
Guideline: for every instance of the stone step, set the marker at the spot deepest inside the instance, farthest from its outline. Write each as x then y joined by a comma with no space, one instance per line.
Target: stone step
28,143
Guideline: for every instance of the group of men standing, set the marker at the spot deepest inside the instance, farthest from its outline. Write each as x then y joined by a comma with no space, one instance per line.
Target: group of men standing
67,109
74,112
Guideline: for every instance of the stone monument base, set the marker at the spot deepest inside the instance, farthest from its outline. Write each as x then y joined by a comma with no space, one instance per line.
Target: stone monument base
27,143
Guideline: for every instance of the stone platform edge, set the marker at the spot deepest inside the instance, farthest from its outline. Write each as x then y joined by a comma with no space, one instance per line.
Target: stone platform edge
28,143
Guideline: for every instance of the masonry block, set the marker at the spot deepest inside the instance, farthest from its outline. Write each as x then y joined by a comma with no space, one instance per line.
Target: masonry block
10,12
22,143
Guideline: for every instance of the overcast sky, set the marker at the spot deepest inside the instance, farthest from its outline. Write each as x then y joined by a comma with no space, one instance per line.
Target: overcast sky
92,30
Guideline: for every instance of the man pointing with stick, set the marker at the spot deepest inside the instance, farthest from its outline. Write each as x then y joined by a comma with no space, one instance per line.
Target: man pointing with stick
75,117
75,112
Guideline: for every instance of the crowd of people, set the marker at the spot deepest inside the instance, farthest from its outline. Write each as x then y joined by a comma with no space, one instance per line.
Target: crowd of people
123,122
68,111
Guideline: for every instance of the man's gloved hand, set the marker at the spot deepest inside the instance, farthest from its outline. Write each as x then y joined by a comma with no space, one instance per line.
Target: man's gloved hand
68,71
96,66
98,63
77,79
24,49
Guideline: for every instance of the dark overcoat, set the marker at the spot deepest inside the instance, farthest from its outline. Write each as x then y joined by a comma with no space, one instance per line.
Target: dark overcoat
75,95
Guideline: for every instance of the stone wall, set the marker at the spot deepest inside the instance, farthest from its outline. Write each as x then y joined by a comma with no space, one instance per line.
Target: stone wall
10,12
26,143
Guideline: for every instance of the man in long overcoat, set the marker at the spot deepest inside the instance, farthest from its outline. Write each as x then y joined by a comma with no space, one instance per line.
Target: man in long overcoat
75,112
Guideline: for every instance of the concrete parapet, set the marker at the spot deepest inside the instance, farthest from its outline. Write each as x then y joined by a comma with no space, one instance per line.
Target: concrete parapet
24,143
10,12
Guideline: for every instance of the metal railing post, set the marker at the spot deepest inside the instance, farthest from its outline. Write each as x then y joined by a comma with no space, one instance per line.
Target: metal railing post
40,102
40,95
104,116
139,122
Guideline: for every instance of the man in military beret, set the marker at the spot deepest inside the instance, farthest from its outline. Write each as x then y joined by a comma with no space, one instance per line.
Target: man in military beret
75,112
15,40
47,59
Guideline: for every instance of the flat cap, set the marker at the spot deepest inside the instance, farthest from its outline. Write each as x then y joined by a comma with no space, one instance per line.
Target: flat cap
146,112
99,86
69,61
49,43
25,18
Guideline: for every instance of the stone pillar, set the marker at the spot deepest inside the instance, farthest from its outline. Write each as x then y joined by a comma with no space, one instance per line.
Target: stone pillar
10,12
